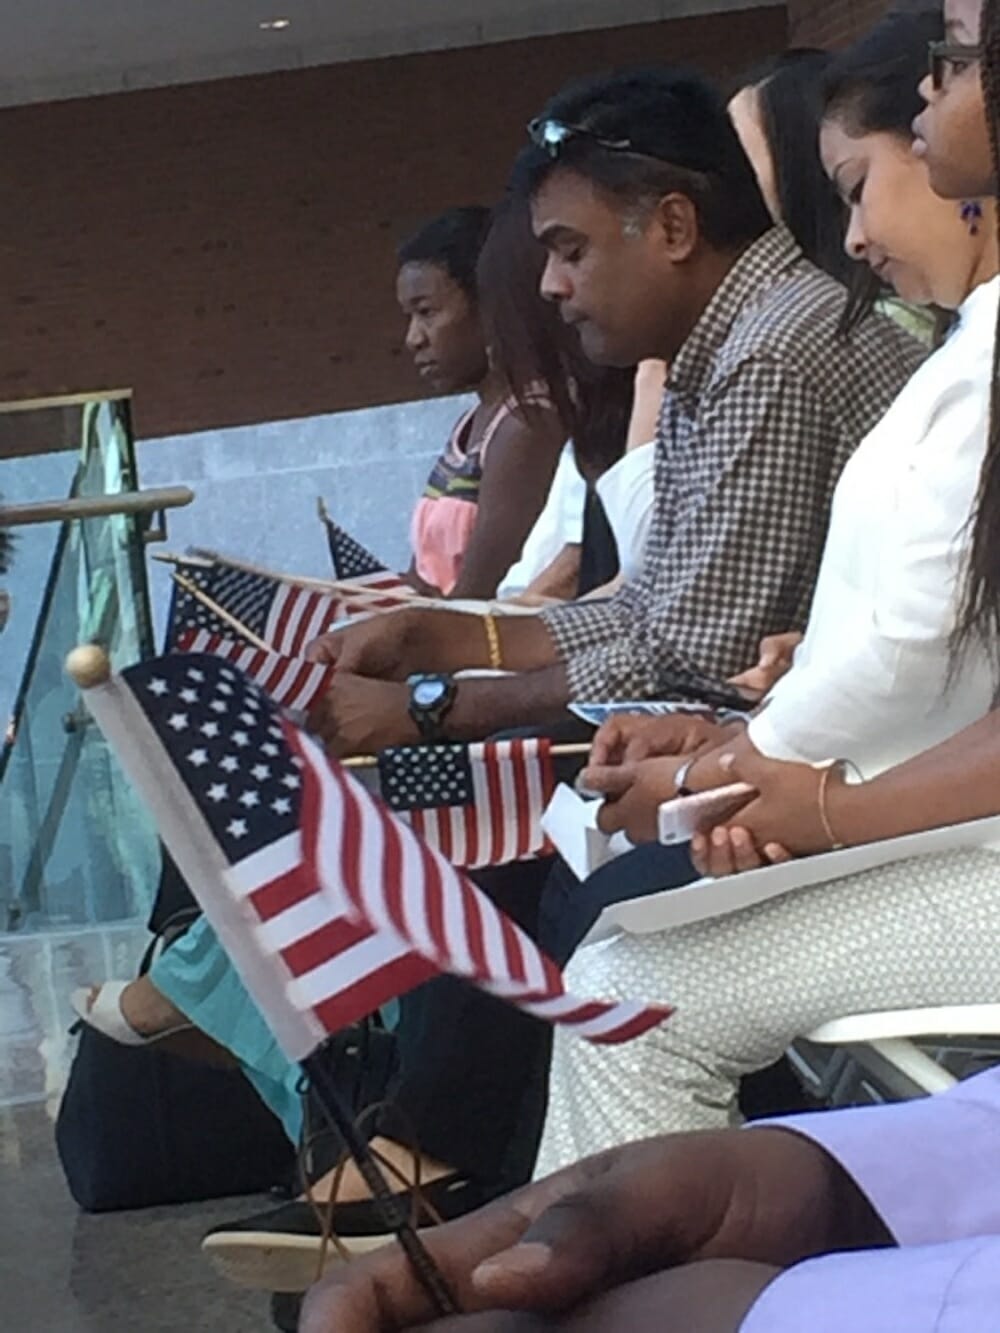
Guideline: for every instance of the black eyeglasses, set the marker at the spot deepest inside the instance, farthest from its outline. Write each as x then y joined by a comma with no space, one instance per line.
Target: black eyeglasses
953,55
554,135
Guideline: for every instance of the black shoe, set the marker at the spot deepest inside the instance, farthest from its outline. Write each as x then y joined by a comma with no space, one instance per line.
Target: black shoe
281,1250
286,1306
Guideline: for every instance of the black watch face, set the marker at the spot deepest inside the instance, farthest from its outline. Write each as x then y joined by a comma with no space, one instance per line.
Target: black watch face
429,693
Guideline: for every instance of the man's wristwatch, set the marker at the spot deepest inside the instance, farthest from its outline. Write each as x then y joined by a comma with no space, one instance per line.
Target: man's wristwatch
431,700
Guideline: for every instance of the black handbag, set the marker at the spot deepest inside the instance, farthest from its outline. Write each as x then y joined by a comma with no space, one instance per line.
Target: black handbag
139,1127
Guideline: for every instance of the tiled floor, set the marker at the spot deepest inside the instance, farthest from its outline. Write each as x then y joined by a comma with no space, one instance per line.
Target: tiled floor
38,974
63,1272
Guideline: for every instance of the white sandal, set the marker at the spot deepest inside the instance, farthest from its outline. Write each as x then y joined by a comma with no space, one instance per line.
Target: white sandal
103,1012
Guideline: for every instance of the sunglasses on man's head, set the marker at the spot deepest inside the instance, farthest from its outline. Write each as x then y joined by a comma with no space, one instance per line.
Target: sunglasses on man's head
554,135
954,56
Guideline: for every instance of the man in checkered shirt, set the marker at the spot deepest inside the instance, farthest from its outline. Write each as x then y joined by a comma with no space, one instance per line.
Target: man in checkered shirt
659,245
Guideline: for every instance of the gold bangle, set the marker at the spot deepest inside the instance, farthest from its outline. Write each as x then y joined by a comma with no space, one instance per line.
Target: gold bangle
493,640
835,844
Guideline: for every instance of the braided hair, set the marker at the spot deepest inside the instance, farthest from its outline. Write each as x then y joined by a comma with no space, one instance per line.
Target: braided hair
979,617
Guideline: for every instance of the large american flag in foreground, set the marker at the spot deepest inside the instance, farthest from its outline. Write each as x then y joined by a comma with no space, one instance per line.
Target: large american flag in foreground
328,904
478,805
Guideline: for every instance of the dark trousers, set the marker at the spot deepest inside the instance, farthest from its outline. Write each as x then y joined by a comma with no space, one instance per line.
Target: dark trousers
472,1071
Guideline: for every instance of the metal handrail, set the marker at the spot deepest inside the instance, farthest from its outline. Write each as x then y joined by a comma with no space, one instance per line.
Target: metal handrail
65,400
99,506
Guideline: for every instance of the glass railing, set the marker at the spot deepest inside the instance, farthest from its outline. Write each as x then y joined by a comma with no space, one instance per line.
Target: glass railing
76,845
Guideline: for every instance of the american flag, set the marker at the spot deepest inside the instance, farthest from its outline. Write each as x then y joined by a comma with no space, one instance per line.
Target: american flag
291,682
361,596
186,613
326,902
352,561
284,615
478,805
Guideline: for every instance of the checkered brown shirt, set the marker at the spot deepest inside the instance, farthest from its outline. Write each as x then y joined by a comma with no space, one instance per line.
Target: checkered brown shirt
765,404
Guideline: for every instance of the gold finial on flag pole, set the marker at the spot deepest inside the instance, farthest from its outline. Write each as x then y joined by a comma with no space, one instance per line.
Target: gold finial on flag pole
89,666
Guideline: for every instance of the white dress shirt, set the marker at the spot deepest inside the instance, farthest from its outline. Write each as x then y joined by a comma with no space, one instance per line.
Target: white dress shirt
870,681
931,1169
628,493
559,524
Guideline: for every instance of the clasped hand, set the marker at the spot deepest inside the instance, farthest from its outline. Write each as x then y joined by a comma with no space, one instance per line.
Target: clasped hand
634,765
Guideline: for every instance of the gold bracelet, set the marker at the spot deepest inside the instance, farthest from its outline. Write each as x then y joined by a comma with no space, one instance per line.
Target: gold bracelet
835,765
493,640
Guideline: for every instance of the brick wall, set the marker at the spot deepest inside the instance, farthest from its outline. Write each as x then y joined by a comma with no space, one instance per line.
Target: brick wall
226,249
831,22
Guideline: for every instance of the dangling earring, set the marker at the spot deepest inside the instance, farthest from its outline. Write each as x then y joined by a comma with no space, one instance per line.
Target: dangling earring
972,215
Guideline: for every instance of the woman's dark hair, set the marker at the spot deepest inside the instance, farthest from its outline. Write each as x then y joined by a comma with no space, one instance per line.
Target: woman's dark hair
680,139
453,242
531,347
789,97
979,616
872,88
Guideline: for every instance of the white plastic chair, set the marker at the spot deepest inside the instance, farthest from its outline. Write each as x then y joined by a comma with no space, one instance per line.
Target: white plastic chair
886,1042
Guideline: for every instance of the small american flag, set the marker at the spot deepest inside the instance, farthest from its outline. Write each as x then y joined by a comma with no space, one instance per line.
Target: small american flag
285,615
327,904
291,682
349,558
478,805
186,613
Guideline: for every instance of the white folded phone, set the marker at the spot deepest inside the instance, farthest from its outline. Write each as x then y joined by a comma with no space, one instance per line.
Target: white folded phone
684,816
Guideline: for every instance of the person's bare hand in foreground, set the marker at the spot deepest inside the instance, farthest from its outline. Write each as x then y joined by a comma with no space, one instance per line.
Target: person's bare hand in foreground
591,1236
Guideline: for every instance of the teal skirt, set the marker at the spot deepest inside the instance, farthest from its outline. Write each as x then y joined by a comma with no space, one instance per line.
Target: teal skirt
196,976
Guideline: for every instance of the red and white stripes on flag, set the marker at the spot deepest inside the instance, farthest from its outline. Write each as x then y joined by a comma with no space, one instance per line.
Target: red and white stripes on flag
375,866
326,902
508,787
291,682
297,616
338,968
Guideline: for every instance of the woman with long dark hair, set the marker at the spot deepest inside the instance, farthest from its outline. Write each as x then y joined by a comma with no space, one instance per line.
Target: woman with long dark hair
530,345
958,136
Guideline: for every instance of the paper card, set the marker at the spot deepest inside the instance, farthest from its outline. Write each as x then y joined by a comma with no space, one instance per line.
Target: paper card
708,898
571,825
596,714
